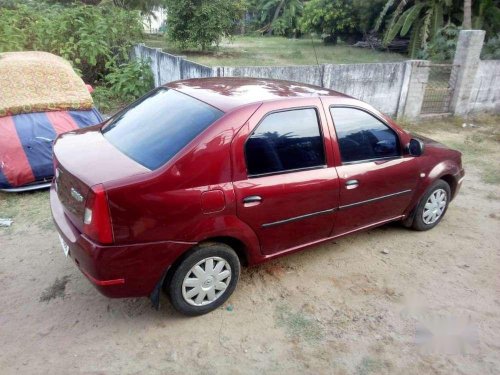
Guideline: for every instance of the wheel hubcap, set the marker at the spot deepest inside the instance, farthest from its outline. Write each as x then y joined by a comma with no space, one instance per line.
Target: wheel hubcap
206,281
434,207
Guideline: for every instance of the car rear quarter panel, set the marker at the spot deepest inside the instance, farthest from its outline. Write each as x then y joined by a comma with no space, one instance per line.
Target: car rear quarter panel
166,204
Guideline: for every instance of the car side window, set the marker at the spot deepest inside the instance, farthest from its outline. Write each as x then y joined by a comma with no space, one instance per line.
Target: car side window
361,136
285,141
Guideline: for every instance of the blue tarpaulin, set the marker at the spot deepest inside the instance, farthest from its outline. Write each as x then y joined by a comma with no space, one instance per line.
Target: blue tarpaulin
26,143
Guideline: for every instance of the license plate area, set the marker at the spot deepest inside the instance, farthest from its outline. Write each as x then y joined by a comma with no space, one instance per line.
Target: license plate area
64,246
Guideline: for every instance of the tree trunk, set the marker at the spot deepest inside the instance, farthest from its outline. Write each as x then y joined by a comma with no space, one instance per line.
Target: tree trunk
467,23
243,23
276,15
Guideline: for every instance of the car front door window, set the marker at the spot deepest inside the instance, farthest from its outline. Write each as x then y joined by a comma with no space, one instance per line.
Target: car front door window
362,137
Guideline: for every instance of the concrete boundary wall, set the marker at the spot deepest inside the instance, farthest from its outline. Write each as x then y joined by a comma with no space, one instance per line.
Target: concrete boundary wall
167,67
310,74
378,84
485,95
396,89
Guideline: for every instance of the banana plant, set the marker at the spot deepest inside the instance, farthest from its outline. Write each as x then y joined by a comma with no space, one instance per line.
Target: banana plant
486,16
421,19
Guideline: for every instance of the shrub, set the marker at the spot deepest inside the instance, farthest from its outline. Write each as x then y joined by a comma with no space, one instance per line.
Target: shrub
491,49
17,30
94,39
443,45
131,80
123,85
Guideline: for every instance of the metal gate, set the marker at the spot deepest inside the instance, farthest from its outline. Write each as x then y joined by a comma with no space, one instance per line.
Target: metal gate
439,88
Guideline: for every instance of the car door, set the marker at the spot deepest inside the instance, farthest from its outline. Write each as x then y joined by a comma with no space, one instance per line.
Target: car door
284,179
376,179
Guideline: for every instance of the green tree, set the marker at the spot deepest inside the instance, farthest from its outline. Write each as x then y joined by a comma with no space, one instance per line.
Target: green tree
202,23
329,18
365,15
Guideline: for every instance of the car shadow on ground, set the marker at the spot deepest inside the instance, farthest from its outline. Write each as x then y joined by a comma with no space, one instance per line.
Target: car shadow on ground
141,309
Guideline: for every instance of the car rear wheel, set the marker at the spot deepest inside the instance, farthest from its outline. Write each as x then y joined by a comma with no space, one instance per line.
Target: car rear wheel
205,279
432,206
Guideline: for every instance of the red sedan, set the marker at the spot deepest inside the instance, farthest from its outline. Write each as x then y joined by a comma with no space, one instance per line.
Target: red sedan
201,176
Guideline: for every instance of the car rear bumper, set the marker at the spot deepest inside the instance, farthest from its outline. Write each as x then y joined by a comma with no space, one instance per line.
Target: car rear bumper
118,270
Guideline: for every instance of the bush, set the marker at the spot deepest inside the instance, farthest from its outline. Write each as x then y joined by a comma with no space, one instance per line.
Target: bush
491,49
443,45
106,101
131,80
94,39
17,31
122,85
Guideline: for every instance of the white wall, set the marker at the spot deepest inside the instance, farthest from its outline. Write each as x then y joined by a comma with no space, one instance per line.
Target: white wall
485,95
396,89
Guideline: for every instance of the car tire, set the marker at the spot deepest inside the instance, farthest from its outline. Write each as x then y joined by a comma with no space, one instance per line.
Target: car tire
205,279
432,207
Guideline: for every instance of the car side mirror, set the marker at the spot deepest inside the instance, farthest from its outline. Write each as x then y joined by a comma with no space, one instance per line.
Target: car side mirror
415,147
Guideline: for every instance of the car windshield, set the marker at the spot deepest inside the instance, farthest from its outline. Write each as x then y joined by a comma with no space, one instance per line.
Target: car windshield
152,130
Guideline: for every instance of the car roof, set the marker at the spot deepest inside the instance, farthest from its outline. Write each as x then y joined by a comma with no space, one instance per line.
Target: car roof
230,92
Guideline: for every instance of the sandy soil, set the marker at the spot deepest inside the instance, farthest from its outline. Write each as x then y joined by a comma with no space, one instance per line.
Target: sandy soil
385,301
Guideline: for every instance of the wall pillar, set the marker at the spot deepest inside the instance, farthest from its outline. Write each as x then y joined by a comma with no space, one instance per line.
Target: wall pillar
413,89
467,57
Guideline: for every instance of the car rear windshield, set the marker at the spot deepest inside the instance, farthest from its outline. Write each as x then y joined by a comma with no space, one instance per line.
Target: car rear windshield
152,130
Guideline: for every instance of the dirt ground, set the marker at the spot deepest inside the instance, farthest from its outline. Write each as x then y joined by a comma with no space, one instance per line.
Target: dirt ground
389,300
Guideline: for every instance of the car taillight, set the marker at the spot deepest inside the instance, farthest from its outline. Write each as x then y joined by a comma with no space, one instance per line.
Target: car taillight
96,220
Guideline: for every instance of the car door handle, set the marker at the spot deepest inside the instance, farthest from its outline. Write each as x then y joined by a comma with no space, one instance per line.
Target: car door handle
252,199
352,184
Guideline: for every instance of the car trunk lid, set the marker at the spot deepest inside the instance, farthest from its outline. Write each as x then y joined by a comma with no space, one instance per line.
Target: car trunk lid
83,159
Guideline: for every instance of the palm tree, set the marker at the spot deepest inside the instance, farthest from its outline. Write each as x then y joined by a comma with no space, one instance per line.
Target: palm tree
486,16
272,10
467,23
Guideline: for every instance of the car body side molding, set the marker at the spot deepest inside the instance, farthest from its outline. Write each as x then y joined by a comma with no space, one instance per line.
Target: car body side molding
301,217
360,203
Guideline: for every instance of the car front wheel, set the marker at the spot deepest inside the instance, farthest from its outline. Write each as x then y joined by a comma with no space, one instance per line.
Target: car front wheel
205,279
432,206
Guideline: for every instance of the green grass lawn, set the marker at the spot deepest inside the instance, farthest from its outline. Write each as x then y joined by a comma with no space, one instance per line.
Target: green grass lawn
245,50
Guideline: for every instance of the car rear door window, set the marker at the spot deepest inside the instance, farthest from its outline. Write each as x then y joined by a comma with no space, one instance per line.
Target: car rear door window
362,137
152,130
285,141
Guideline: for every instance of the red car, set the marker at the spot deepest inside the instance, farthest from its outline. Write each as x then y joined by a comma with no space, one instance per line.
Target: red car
201,176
